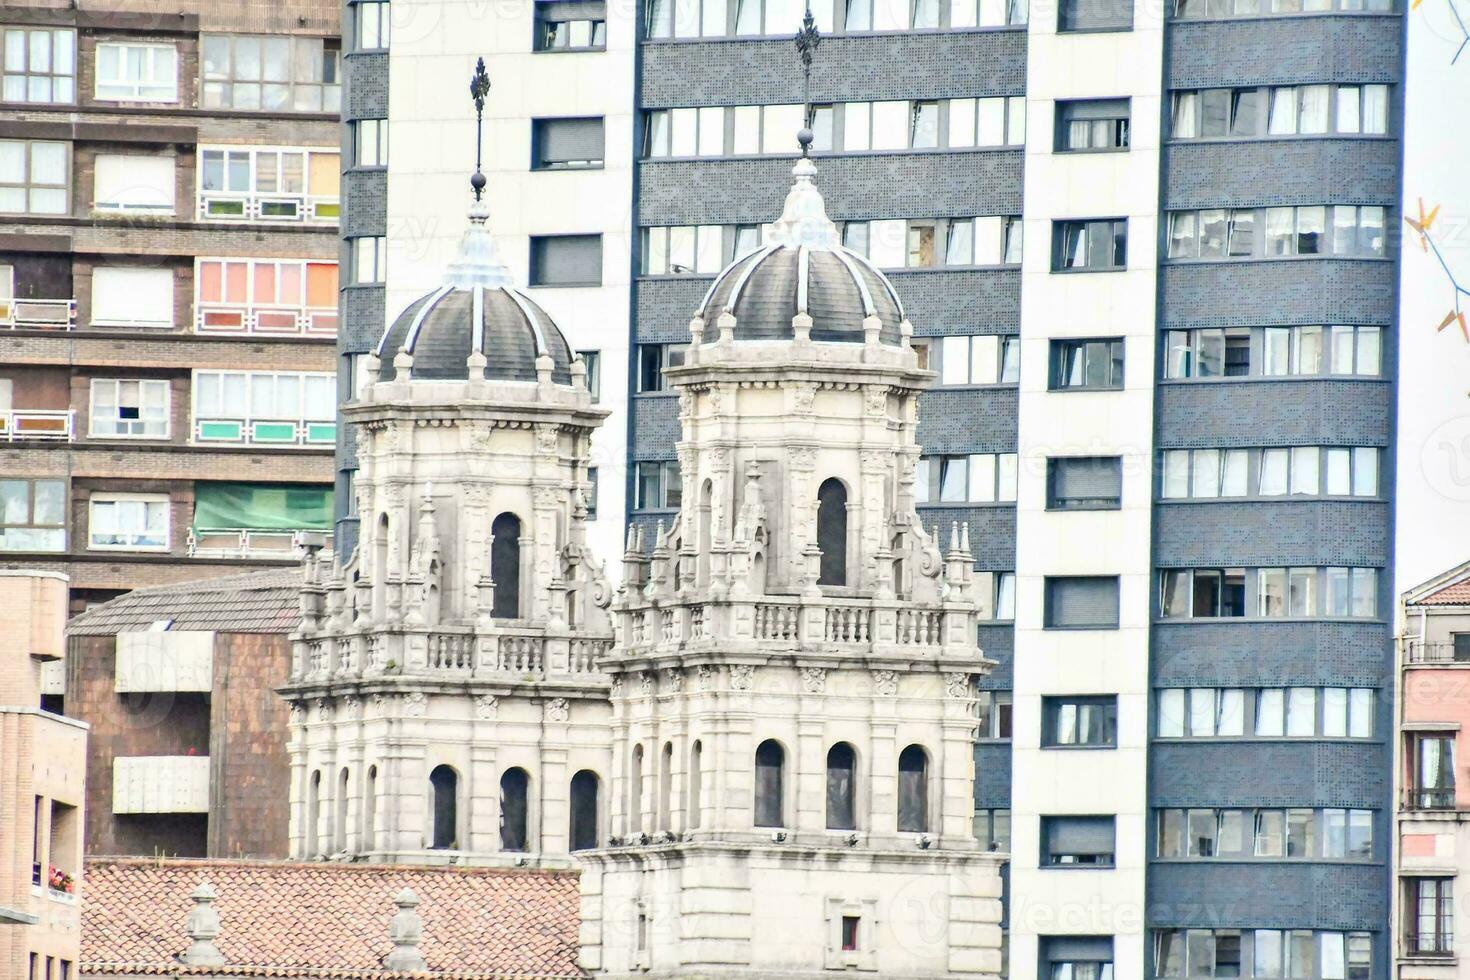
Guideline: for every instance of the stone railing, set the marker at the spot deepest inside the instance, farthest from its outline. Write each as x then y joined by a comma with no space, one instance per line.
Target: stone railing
463,653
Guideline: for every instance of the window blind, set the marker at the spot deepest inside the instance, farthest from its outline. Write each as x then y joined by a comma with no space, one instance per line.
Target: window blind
1078,835
132,296
566,260
1081,602
134,182
1087,478
568,141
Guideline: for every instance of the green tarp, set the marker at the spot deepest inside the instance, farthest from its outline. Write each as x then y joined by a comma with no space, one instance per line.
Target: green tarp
261,507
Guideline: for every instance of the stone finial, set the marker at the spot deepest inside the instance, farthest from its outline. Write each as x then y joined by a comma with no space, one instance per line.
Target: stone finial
402,364
579,373
202,928
475,364
372,366
544,367
405,930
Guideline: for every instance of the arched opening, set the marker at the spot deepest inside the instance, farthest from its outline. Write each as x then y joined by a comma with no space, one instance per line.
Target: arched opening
583,830
514,818
678,548
431,595
897,550
635,791
339,832
665,786
706,532
770,759
369,810
696,779
758,564
313,811
444,784
841,787
505,566
913,789
832,532
379,571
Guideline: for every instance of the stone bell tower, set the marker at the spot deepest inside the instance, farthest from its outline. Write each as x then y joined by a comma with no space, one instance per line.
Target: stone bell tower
446,699
793,682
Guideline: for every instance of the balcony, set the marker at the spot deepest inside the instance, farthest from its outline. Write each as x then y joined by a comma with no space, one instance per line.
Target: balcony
1438,798
266,432
1437,945
1435,652
20,424
160,784
38,314
245,544
487,654
266,208
265,321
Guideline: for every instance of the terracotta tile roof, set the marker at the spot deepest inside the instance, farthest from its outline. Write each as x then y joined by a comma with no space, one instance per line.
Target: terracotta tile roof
259,602
1454,594
283,919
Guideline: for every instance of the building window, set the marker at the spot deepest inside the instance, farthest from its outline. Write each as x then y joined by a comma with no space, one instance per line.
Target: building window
582,828
574,26
34,177
1077,958
1220,9
32,515
591,493
694,249
132,297
133,183
515,786
269,185
1265,834
1084,483
137,72
374,23
993,712
770,760
1301,471
1279,592
272,73
265,296
130,522
40,65
841,787
984,359
1429,911
566,260
1095,15
925,243
505,566
715,18
993,829
1004,594
1092,124
1221,233
1069,841
370,138
652,360
1096,246
369,256
265,408
1081,602
1432,770
1070,721
1256,113
975,478
1271,712
1273,351
444,786
913,790
1262,953
656,485
138,409
566,144
592,364
832,532
1086,364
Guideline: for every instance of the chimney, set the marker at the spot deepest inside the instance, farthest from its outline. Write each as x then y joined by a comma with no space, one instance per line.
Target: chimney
405,929
202,927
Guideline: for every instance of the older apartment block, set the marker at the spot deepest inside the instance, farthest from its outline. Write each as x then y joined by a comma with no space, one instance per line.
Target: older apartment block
169,203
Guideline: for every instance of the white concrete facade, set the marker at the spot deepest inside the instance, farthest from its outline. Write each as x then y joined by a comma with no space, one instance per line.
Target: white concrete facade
1064,901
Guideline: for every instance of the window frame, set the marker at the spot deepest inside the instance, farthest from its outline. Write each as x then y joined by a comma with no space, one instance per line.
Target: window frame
1080,232
1053,706
373,135
7,71
27,185
382,12
258,428
1054,465
669,478
1053,582
305,207
1060,349
151,49
538,137
148,390
328,60
1183,353
535,278
666,358
1064,118
148,500
1262,713
30,525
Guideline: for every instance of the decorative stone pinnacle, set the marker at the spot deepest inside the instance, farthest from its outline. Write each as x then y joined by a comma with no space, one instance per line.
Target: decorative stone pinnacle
202,928
405,930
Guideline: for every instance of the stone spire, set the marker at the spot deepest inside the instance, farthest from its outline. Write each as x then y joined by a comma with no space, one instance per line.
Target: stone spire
405,930
478,263
202,928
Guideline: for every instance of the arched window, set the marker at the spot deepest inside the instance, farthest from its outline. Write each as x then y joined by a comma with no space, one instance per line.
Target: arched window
832,532
635,792
339,832
444,782
513,814
583,830
665,786
770,758
913,789
313,811
706,531
696,778
505,566
379,571
841,787
369,810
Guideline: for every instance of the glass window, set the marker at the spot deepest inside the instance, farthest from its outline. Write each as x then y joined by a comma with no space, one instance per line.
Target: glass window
370,139
34,177
273,73
1086,364
132,522
137,72
39,65
32,515
129,408
373,19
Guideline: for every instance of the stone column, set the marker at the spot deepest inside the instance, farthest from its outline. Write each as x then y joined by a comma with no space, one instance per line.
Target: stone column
552,820
482,794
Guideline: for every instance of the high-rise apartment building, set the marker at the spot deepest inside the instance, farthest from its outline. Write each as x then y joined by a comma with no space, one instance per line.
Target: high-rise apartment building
169,200
1148,251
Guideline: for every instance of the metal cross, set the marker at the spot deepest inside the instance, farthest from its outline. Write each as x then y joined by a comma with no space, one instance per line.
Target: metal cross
479,88
807,40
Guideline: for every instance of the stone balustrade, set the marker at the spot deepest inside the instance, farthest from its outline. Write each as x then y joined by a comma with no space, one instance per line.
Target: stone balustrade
494,654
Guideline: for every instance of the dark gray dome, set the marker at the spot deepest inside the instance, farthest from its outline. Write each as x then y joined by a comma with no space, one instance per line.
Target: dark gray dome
835,286
441,329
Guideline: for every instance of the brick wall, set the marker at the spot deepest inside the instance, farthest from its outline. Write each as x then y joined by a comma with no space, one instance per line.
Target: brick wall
250,788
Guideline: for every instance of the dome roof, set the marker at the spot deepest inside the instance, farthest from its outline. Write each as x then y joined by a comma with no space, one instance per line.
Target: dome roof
803,267
477,309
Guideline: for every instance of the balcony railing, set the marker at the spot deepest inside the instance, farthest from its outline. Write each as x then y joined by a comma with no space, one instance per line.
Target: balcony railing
1430,944
487,654
269,208
42,314
266,431
1439,798
22,424
1438,652
244,544
218,318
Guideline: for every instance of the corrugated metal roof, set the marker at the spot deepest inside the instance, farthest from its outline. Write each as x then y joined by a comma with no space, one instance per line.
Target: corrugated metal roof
260,602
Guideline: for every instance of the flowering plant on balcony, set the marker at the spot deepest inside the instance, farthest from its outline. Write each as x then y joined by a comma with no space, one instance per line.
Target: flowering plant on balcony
60,881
